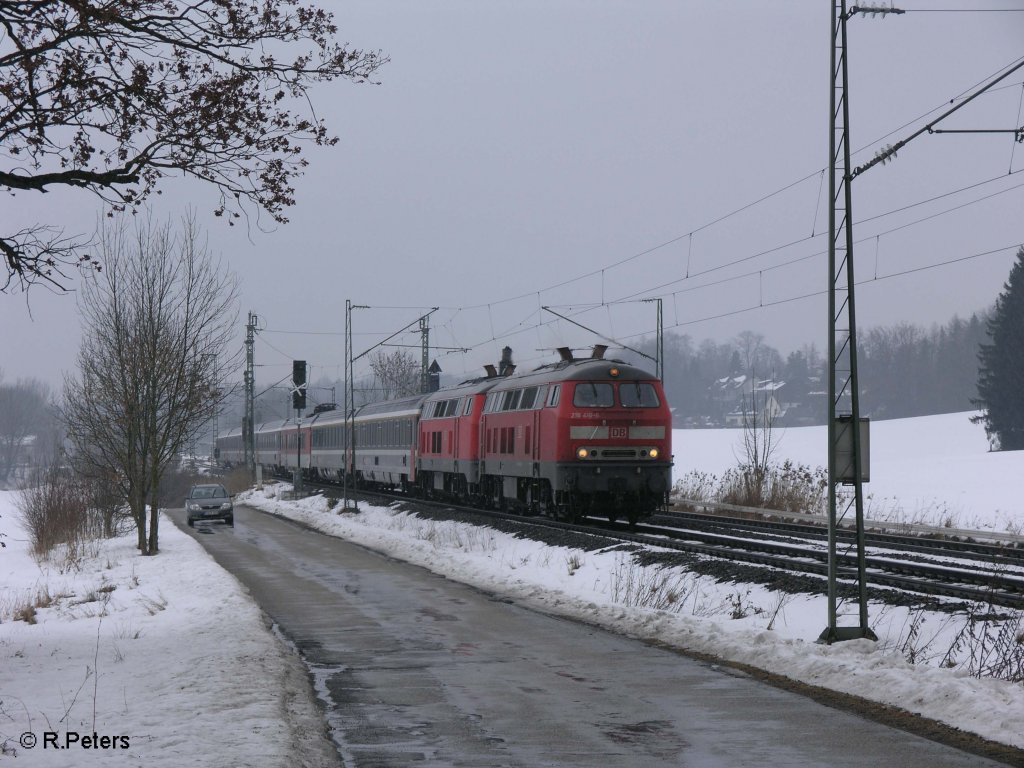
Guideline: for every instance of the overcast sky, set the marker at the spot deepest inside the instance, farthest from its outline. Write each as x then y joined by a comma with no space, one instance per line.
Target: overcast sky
578,154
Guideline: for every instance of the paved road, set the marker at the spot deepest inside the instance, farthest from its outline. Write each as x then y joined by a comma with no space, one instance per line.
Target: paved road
419,670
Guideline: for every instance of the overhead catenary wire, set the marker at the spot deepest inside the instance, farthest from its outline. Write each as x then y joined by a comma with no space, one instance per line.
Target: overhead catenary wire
764,198
689,236
516,328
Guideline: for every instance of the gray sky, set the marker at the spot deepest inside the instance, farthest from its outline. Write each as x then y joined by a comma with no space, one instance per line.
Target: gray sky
514,148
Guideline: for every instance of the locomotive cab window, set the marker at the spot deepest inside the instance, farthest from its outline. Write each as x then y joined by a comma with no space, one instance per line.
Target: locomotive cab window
593,395
638,394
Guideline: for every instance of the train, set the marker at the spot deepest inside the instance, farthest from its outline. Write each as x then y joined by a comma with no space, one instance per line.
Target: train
570,439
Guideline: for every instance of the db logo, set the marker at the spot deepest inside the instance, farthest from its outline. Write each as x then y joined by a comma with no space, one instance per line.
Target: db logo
618,433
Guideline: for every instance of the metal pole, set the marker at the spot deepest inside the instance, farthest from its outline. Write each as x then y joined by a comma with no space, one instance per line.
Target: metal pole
842,344
297,484
830,415
425,354
350,398
661,345
248,426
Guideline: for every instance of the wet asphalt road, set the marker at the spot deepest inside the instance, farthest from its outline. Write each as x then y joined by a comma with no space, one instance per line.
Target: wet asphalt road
417,670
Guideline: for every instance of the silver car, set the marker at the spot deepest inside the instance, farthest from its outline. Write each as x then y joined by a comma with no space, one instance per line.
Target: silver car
209,502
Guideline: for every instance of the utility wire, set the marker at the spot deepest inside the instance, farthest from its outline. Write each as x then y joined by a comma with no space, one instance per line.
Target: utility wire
764,198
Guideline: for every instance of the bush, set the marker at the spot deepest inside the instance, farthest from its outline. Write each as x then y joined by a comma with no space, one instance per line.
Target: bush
787,487
176,483
696,486
56,510
237,480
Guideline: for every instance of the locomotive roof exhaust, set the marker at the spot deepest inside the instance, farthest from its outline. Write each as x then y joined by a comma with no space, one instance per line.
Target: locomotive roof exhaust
597,353
505,367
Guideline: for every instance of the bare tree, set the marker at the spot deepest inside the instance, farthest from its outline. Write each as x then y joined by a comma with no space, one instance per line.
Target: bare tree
113,96
396,374
24,416
157,323
760,440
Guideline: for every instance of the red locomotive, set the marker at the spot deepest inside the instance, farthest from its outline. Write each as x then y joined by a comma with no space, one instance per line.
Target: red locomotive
578,437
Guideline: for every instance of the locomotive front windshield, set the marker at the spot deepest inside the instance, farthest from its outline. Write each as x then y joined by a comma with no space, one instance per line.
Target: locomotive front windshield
632,394
638,394
591,395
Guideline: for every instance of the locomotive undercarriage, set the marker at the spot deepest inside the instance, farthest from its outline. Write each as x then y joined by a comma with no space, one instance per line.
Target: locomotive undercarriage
565,491
535,496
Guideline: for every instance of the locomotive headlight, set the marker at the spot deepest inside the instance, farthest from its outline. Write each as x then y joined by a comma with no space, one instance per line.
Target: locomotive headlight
582,453
654,453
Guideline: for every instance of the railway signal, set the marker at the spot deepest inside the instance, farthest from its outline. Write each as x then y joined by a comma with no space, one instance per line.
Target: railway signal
299,384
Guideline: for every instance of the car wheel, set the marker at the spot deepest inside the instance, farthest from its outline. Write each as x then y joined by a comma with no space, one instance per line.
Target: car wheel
230,521
191,523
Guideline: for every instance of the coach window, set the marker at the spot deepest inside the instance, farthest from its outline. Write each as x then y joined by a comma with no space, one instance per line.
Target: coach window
593,395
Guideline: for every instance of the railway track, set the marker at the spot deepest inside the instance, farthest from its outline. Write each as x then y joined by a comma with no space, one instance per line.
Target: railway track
998,582
973,572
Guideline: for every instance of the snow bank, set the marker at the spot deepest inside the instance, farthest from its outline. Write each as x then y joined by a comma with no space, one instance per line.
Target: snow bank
165,656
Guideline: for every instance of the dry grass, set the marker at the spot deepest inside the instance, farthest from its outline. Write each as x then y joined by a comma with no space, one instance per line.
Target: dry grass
662,589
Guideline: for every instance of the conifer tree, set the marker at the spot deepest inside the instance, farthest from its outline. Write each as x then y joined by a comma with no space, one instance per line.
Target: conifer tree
1001,371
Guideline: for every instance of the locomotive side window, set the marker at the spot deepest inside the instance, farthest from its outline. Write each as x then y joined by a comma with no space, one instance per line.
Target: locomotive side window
528,399
593,395
469,405
553,394
638,394
510,401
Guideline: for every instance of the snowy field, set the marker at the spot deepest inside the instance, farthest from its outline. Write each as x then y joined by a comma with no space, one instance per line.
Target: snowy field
935,470
137,647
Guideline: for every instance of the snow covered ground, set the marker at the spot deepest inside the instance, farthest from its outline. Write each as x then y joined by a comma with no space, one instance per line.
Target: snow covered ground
936,470
157,661
176,636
